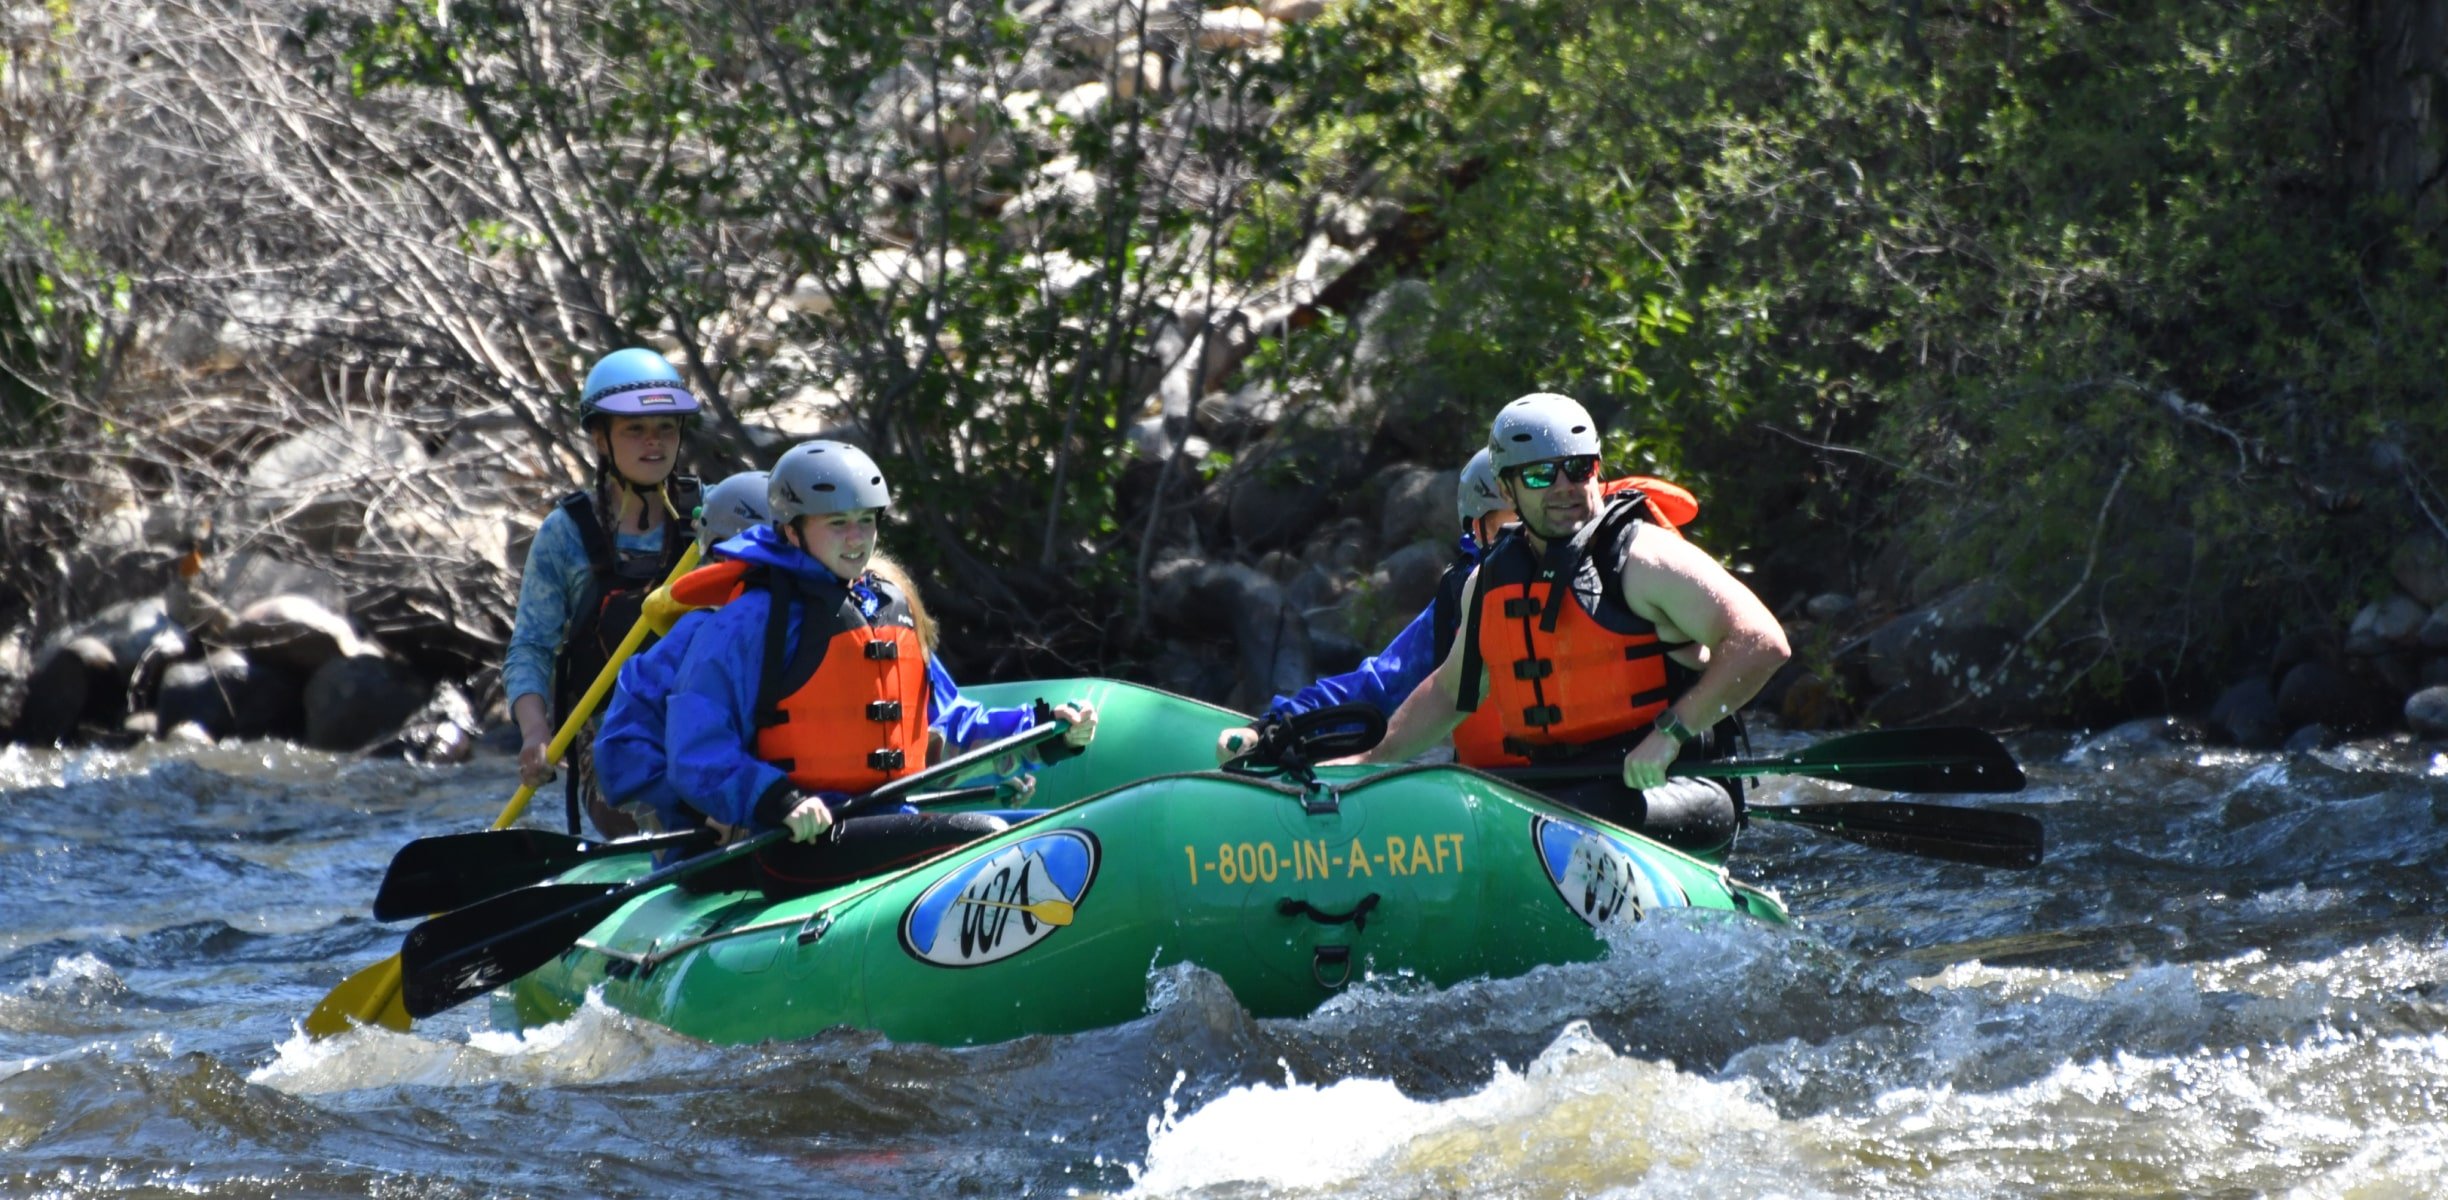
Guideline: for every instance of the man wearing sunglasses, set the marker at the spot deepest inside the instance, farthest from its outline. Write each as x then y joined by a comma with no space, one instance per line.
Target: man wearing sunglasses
1597,633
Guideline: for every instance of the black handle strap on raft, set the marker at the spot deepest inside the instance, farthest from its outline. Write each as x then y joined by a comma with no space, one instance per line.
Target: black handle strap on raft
1294,744
1356,917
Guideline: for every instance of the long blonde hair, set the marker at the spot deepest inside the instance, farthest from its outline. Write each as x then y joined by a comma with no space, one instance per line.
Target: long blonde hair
892,572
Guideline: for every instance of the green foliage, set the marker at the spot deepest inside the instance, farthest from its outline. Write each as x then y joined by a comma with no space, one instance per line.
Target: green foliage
56,306
2073,298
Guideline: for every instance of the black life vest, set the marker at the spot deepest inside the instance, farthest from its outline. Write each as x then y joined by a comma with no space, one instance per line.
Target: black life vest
616,588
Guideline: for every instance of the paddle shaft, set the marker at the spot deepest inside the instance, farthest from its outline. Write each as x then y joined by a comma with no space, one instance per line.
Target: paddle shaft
460,955
371,996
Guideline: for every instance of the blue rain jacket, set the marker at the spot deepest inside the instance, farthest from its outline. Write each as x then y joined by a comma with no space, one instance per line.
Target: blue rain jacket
709,722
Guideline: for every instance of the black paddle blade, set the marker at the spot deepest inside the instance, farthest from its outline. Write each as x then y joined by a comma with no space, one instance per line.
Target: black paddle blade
461,955
1967,835
437,874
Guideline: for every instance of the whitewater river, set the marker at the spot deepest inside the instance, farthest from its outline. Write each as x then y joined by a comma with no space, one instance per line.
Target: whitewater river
2231,979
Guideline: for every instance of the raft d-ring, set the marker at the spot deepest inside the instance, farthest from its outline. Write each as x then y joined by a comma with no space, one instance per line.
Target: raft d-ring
815,927
1338,957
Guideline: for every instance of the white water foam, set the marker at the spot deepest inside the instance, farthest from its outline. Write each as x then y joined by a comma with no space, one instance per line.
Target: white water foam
1580,1119
595,1045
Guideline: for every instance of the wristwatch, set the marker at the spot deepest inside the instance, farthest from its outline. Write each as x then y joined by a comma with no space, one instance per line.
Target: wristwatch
1672,726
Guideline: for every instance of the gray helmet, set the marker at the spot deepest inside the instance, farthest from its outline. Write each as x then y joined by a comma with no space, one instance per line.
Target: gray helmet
733,505
1477,496
1541,426
815,478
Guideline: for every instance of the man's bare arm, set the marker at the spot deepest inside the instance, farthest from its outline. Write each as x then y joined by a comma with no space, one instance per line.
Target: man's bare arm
1673,582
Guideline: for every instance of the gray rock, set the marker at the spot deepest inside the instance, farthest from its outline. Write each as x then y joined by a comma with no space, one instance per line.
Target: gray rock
1829,606
251,576
2426,712
2310,738
1287,491
295,634
1414,502
231,697
2315,692
2435,671
16,666
2383,624
355,701
56,692
2247,715
2434,632
315,485
1408,578
2419,564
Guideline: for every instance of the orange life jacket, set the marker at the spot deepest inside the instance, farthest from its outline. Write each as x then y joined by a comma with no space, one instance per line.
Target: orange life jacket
712,585
1479,741
1567,662
1670,504
847,710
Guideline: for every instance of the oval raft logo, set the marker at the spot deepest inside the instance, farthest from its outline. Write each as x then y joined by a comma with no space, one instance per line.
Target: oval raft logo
995,907
1599,876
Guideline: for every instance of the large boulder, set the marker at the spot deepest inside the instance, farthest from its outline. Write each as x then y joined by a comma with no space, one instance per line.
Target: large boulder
316,485
1951,659
2426,712
1288,489
2247,715
295,634
2319,692
355,701
230,697
1414,502
1407,580
1270,634
251,576
2392,622
2419,564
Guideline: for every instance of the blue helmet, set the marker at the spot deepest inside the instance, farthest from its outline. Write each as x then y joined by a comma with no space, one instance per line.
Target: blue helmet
635,382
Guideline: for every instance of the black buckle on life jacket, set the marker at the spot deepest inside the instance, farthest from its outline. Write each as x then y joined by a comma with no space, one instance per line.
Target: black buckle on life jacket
884,710
1521,606
883,650
1542,715
1533,668
884,760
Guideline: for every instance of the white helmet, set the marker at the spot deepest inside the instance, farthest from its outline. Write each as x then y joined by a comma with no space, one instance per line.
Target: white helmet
1477,496
815,478
1541,426
733,505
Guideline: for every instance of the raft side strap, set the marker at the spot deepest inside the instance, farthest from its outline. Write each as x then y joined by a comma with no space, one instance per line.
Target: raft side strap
1357,918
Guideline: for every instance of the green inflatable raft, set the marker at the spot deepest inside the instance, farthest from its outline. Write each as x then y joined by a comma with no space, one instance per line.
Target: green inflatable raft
1288,888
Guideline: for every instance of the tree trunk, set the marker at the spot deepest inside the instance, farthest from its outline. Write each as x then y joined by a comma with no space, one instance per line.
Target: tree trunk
2393,150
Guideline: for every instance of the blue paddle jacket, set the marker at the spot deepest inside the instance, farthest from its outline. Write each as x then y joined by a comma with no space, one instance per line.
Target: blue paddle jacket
1387,678
709,722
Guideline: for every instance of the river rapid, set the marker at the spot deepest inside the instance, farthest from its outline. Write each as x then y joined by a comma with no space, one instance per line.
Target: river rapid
2230,979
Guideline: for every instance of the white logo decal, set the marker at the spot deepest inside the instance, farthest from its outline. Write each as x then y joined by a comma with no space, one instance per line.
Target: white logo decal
1600,878
991,908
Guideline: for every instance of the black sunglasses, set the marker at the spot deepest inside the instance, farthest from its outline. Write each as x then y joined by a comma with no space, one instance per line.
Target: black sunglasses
1539,476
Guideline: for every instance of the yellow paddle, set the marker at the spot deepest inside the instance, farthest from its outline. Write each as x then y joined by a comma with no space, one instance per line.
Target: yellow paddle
1051,912
372,996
